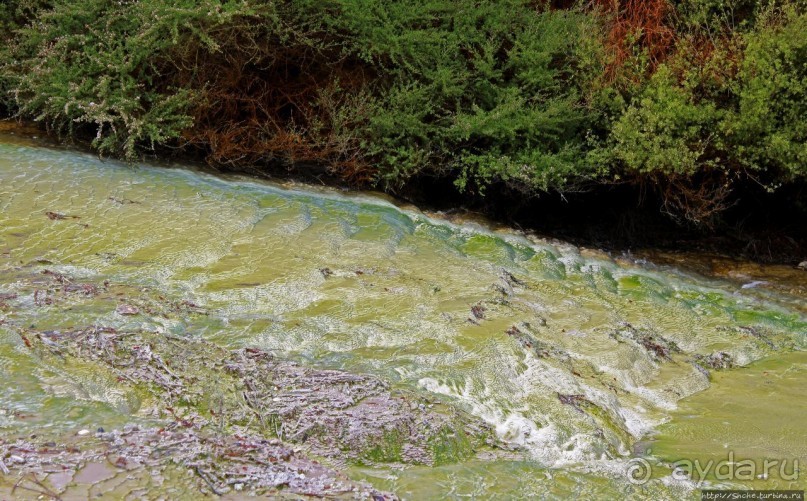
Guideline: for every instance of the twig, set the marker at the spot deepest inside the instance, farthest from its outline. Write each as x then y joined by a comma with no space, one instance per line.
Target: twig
210,484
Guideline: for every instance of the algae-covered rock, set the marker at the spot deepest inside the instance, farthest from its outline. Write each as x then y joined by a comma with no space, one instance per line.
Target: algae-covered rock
334,414
136,463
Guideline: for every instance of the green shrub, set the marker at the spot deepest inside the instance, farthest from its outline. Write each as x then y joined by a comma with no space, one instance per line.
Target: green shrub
666,130
98,63
717,16
491,95
769,130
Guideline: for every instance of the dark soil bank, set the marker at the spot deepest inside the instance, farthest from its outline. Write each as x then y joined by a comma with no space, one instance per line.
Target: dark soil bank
760,226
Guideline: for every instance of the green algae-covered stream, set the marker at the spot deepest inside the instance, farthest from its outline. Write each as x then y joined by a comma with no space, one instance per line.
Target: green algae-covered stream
585,367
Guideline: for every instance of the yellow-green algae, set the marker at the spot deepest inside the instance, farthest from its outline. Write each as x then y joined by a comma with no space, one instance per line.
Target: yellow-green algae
353,282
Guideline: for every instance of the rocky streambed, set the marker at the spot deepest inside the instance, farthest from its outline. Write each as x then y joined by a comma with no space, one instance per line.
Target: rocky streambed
242,421
170,333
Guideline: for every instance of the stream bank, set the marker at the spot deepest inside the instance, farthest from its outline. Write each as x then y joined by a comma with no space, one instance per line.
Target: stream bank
762,227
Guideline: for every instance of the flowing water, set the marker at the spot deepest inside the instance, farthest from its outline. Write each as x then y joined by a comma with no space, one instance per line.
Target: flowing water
590,365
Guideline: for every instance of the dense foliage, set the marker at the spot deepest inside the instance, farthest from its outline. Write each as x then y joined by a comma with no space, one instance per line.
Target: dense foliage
690,97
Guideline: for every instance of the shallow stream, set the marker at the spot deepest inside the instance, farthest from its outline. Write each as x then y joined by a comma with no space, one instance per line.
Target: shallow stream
592,367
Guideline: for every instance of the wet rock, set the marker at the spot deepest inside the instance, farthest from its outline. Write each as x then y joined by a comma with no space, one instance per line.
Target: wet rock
576,401
511,279
56,216
94,472
53,216
60,480
126,309
757,333
220,464
122,201
507,283
352,416
57,277
4,298
528,342
86,289
718,360
701,369
338,415
657,346
535,346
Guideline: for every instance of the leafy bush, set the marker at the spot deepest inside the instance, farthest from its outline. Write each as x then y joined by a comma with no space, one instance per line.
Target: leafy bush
717,16
485,97
769,130
665,130
98,62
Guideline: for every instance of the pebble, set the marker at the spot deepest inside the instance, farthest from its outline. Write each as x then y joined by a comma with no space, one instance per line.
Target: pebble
81,433
17,459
